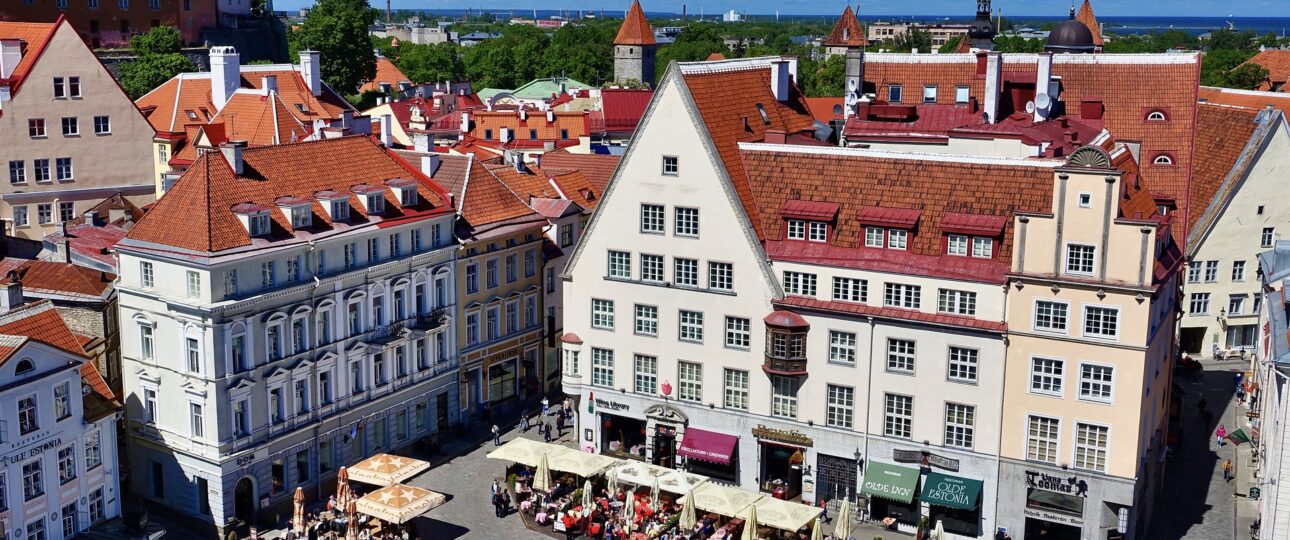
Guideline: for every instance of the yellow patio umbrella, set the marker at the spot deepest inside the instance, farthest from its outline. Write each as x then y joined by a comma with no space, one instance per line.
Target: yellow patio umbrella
843,527
817,530
750,524
687,514
542,477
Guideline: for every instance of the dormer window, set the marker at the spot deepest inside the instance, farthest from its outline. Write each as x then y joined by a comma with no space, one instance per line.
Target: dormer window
982,247
815,231
957,245
819,231
897,239
1162,159
301,217
340,209
1157,115
375,203
796,229
258,224
873,236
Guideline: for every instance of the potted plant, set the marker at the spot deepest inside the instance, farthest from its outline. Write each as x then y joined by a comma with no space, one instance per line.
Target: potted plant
923,526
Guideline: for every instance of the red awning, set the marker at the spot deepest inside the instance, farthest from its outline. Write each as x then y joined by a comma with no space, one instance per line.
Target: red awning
708,446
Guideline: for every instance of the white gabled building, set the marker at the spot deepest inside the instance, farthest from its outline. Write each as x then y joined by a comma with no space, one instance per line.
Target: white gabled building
59,473
285,311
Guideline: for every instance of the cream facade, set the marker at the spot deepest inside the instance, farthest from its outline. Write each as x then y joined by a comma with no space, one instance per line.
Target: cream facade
69,136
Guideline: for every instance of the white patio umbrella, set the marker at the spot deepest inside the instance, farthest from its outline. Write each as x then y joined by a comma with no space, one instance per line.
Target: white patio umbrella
612,478
687,514
750,524
817,530
653,494
588,499
939,532
629,509
842,529
542,477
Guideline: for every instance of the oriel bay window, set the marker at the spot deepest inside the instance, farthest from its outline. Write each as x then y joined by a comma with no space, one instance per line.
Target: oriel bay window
785,343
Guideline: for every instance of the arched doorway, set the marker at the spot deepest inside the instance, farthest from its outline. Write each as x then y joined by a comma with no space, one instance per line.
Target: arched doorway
244,500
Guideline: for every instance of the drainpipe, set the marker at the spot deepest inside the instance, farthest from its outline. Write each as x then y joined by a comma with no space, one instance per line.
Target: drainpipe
998,458
868,405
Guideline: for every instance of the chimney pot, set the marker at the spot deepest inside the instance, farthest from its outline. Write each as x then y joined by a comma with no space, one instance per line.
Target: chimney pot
232,151
269,83
311,70
550,117
91,218
429,164
11,299
387,130
226,74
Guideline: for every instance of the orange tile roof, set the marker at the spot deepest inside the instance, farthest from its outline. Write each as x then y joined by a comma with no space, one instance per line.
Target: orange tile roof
598,168
293,90
171,114
847,32
727,99
579,187
61,278
1277,62
1087,17
635,29
1245,98
386,72
1222,134
822,108
41,322
204,196
574,122
259,119
488,198
34,36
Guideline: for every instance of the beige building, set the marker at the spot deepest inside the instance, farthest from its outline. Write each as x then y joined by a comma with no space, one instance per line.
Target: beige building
941,33
69,136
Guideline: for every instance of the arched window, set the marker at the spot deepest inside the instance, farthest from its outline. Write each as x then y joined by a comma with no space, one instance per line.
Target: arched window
24,366
1163,159
1156,116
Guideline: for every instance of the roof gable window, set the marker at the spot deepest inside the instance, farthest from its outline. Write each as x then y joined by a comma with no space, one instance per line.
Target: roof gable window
255,218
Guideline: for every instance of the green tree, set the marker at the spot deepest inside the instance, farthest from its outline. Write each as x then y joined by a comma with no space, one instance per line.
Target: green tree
1216,64
158,60
822,78
920,40
427,63
338,30
582,52
508,61
1246,77
951,45
1018,44
695,43
1231,40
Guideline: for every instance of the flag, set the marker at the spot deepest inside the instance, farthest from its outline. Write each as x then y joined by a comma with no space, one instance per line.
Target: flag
1238,437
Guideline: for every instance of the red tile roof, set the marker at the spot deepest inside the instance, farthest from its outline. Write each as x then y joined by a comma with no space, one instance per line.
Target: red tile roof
578,187
293,90
1087,17
1277,62
574,123
92,242
1222,136
386,72
976,224
855,308
635,29
259,119
1245,98
598,168
622,109
902,218
824,109
178,102
61,278
847,32
40,321
813,210
730,97
488,197
35,37
204,197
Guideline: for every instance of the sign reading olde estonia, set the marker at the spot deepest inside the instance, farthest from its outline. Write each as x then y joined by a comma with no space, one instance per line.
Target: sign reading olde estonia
925,458
1070,485
31,451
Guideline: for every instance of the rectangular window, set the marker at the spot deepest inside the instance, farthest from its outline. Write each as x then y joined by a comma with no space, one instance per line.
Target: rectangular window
960,94
490,273
194,284
652,268
60,90
1096,382
819,232
66,210
63,169
1041,439
902,296
982,247
873,236
1101,322
1265,240
1211,271
62,405
796,229
1046,376
472,328
1198,304
74,86
691,328
1238,271
17,172
33,480
671,166
195,420
71,126
602,367
850,289
571,363
1235,304
898,417
1193,272
895,92
1079,259
900,355
897,239
721,276
929,94
957,245
783,396
963,364
1091,446
93,456
690,381
194,355
646,320
652,218
842,347
472,278
512,271
687,222
960,422
646,374
1050,316
66,464
41,169
620,264
530,263
841,406
956,302
602,314
145,341
799,283
102,125
145,274
45,213
268,274
686,272
36,128
736,390
20,216
738,332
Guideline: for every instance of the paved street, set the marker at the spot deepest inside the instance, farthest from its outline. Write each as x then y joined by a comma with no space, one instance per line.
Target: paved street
1197,503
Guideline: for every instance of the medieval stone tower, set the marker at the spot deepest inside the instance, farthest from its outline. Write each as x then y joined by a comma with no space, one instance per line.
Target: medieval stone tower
634,48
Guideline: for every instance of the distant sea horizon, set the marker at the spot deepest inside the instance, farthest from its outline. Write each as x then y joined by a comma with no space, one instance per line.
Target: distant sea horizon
1112,24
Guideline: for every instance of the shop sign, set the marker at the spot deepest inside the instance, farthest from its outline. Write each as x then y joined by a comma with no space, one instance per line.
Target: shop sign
31,451
611,404
926,459
247,459
1070,485
1054,517
666,431
792,437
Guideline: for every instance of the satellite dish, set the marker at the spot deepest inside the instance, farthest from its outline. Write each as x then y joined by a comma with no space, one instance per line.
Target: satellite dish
1030,106
1042,101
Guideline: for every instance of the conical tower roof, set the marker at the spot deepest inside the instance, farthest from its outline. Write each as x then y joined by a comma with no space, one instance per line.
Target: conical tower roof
1087,17
847,32
635,29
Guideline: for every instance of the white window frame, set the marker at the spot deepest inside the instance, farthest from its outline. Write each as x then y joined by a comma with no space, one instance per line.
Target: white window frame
963,364
960,425
602,367
875,237
796,229
957,245
842,347
602,314
784,394
1033,441
902,295
817,231
652,268
1055,379
956,302
982,247
690,326
839,408
735,389
1198,297
653,218
1238,271
897,356
898,415
800,283
898,239
645,322
1109,385
1066,259
850,289
721,276
686,223
1066,316
689,378
1078,446
645,379
738,333
685,272
671,166
619,265
1084,330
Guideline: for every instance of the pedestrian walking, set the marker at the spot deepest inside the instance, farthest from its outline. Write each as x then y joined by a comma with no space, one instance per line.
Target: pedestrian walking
545,429
1220,434
497,505
1227,470
559,425
497,436
497,487
1239,376
524,422
824,510
546,406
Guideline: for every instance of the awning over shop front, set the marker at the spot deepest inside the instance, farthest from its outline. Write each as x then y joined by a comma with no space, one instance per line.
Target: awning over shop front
890,481
950,491
708,446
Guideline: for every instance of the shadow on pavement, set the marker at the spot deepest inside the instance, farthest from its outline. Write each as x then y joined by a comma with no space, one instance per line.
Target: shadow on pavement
1195,503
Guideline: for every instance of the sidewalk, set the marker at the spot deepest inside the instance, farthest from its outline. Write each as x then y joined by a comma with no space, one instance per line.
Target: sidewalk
1246,509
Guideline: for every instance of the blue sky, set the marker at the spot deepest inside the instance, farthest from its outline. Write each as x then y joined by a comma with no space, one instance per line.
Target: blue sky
1214,8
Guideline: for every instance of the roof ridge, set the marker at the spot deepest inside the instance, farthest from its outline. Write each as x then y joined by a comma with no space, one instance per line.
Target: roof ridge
900,154
26,310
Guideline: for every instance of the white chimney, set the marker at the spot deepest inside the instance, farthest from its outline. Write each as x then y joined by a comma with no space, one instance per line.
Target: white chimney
226,74
854,73
311,71
550,117
1043,74
993,85
387,130
524,114
10,55
11,298
465,121
269,83
429,164
779,79
505,135
232,151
